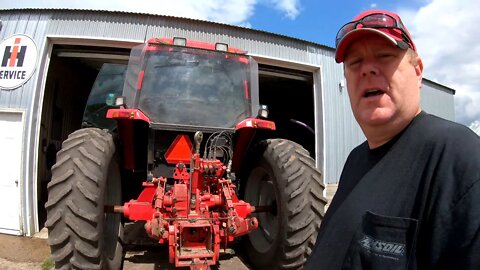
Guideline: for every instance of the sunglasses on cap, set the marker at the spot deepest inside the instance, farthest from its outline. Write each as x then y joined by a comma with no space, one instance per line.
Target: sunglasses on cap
375,21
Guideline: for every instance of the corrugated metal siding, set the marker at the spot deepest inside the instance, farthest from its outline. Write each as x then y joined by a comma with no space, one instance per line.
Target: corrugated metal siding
32,25
98,25
437,100
342,132
335,120
254,42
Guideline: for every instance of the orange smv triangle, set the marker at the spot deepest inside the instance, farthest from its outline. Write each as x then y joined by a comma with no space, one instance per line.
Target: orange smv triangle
180,150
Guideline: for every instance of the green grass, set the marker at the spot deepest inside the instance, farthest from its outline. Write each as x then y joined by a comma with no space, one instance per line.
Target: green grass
47,264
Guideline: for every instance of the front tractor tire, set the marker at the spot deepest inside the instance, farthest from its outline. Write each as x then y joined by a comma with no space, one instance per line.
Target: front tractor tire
84,179
283,176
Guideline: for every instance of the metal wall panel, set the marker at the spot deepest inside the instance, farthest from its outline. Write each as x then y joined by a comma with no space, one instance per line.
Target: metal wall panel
438,100
24,98
341,131
18,23
254,42
97,25
32,25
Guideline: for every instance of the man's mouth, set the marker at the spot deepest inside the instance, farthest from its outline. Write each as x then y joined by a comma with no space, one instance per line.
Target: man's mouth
373,92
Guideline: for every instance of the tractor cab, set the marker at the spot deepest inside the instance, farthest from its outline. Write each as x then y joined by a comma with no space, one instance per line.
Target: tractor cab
186,85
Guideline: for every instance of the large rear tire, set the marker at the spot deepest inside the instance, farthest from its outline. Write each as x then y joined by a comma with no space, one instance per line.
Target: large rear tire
85,178
283,176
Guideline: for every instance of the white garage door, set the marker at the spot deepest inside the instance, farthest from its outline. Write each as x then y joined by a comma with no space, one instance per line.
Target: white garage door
11,138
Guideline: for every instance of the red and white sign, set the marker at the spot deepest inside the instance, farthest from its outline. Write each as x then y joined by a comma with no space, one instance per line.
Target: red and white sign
18,59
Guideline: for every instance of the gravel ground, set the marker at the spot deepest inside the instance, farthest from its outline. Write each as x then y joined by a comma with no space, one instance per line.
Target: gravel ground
9,265
21,252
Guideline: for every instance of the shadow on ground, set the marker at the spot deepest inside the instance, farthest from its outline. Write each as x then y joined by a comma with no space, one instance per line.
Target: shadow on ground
142,252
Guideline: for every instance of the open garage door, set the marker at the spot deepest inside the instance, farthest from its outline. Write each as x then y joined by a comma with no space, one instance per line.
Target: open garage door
288,93
70,77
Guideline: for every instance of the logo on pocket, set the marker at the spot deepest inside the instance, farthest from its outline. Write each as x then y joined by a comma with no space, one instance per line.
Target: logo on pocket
380,246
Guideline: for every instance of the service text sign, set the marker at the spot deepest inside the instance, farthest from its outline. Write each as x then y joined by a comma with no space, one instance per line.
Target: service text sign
18,59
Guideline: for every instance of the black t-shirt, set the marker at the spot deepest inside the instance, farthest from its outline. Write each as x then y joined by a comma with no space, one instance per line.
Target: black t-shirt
413,203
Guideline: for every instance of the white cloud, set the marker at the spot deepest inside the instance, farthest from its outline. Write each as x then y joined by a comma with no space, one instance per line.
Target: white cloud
231,12
475,126
373,5
446,34
289,7
236,12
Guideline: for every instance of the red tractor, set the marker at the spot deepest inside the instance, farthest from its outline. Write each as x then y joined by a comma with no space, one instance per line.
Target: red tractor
177,140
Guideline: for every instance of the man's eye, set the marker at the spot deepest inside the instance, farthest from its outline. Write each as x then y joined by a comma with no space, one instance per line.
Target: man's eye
386,55
354,63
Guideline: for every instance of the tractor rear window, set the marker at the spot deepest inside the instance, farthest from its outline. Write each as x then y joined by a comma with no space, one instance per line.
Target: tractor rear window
191,87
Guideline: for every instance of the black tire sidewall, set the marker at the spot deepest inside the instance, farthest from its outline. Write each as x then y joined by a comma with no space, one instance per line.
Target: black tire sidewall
264,259
295,179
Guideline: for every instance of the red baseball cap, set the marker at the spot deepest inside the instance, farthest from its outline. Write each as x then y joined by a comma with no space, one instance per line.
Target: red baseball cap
384,23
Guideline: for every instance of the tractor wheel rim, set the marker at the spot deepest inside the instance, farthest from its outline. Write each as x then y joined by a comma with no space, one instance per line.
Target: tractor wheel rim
261,191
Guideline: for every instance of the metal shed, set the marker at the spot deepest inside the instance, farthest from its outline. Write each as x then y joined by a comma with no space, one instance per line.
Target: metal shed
71,44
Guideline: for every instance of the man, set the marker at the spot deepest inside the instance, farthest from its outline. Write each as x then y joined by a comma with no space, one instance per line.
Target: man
408,197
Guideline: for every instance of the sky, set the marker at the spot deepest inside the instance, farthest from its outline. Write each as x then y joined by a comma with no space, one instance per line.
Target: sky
446,32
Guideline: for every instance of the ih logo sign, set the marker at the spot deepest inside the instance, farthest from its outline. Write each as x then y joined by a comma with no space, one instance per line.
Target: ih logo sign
18,55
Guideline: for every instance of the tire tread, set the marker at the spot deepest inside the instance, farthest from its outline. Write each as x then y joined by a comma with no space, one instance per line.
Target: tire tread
75,204
302,188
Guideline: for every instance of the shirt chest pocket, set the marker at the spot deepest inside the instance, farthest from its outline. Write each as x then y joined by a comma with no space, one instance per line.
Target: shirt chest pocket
382,242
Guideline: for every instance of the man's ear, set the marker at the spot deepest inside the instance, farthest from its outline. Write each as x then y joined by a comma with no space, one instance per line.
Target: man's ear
419,68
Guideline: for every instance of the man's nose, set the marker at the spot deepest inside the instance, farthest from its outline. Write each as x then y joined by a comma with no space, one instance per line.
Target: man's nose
369,68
